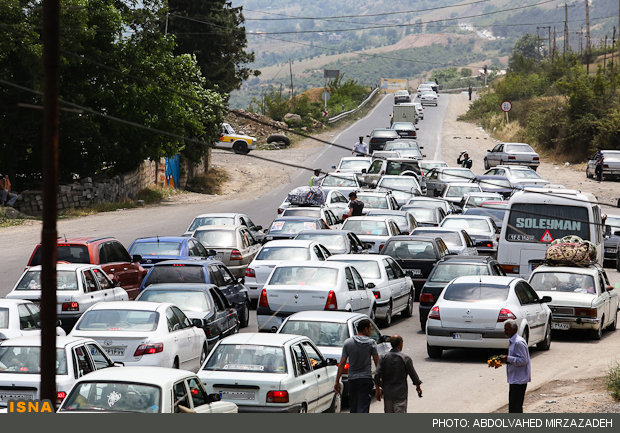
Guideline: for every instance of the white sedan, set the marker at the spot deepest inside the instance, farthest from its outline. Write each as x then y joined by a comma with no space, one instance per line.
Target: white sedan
429,98
482,229
143,389
294,287
471,311
454,192
353,164
272,373
144,333
374,231
20,318
392,288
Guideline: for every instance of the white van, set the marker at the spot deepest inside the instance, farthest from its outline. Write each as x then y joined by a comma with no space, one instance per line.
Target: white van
405,113
536,217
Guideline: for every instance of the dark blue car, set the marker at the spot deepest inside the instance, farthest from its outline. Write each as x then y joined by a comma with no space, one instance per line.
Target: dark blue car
157,249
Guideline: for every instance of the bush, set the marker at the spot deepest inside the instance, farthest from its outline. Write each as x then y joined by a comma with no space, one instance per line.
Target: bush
613,381
209,183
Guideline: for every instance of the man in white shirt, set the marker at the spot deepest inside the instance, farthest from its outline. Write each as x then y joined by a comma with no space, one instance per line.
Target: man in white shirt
360,148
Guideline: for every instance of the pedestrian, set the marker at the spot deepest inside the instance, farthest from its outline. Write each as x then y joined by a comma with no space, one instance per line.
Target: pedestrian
360,148
598,160
391,378
355,206
317,178
7,198
470,90
518,369
391,119
358,352
464,160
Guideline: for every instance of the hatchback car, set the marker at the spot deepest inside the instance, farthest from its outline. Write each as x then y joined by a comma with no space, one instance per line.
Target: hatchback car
471,311
225,219
481,229
373,230
519,176
20,318
158,249
378,137
336,241
512,154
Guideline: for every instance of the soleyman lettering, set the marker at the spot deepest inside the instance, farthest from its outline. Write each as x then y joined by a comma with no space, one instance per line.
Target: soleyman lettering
548,223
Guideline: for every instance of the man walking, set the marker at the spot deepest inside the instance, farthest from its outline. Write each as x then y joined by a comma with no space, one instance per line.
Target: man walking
360,148
358,351
598,160
391,378
518,369
355,206
470,90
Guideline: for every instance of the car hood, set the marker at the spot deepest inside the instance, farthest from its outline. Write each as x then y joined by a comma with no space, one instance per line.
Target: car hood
572,299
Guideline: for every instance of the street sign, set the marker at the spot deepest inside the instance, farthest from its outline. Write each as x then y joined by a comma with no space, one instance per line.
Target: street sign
331,73
546,237
325,113
506,106
325,96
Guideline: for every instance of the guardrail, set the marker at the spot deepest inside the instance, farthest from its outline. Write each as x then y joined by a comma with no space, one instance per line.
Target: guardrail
355,110
458,90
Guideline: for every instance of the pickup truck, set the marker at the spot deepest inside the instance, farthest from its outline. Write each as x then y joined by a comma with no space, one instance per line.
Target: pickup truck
239,143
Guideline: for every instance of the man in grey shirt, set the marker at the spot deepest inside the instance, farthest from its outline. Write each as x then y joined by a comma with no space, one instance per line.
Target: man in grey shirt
358,350
391,378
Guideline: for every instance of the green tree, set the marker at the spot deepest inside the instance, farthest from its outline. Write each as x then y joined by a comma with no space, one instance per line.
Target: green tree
527,50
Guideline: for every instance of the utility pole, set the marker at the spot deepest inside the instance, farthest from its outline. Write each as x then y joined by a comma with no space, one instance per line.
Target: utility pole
588,45
166,27
566,41
51,91
549,42
290,66
613,44
581,42
554,46
537,42
605,55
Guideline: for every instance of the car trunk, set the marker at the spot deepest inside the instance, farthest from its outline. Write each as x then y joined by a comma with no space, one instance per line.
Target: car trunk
120,346
62,296
18,386
222,254
572,299
469,315
263,270
148,261
243,388
291,299
416,269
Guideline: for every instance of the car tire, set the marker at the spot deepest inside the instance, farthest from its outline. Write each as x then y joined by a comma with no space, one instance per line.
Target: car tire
175,364
597,334
387,321
526,336
203,354
434,352
588,174
279,138
244,317
408,311
303,408
373,313
240,147
545,344
336,404
613,325
486,164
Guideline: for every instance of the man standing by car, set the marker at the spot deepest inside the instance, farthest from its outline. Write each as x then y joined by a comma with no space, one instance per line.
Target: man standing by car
360,148
355,206
464,160
598,161
391,378
316,179
358,351
7,198
518,369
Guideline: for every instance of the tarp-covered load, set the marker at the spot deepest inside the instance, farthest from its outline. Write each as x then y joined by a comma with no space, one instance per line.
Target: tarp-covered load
306,196
570,251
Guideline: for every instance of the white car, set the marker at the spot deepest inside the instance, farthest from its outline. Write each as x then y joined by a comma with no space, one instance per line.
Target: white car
429,98
334,200
457,240
20,360
393,289
482,229
519,176
582,297
470,313
403,188
344,183
79,286
512,154
143,389
272,373
427,165
144,333
454,192
352,164
424,88
274,253
475,199
446,206
294,287
224,219
419,110
20,318
374,231
323,212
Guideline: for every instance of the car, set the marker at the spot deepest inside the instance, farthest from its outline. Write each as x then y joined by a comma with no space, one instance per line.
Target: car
19,317
447,207
322,212
419,110
405,129
289,227
426,214
143,389
373,230
336,241
496,184
78,287
378,137
344,183
481,229
157,249
488,209
424,87
457,240
449,268
611,256
144,333
20,361
352,164
408,153
382,154
329,286
611,165
393,289
427,165
403,188
106,252
470,313
433,85
519,176
329,330
429,98
204,272
454,191
390,166
582,297
224,219
239,143
401,96
203,304
402,143
332,199
438,178
276,252
416,255
404,220
233,245
512,154
475,199
373,199
272,373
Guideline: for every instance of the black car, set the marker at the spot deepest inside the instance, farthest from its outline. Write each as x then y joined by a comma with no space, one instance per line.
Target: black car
204,304
449,268
405,129
289,227
336,241
203,272
611,256
378,137
416,255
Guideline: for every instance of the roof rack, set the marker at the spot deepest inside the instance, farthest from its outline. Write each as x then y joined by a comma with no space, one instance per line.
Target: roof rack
557,263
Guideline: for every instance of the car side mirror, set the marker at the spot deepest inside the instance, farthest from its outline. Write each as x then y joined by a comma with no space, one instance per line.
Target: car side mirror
332,361
617,233
609,288
212,252
370,285
488,150
545,299
364,171
384,339
241,280
136,258
259,228
198,323
333,166
265,230
417,129
212,398
368,136
119,364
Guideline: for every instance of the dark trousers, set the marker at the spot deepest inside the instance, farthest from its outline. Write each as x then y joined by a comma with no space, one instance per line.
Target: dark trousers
598,171
360,391
516,394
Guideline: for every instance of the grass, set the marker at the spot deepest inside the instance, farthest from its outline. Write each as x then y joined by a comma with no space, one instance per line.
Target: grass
9,217
613,381
209,183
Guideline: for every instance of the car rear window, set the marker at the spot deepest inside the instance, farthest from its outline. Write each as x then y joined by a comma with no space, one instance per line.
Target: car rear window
339,181
27,360
470,225
449,238
366,268
410,250
156,248
423,214
65,280
316,213
529,222
119,320
291,227
66,253
518,148
458,175
328,334
364,227
446,272
175,273
459,191
473,292
211,221
250,358
113,397
373,201
304,276
354,164
385,134
217,238
563,282
4,318
186,300
296,254
329,240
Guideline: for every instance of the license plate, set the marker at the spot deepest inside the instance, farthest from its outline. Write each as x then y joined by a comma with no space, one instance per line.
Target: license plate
237,395
218,257
413,272
610,250
466,336
6,396
115,350
560,326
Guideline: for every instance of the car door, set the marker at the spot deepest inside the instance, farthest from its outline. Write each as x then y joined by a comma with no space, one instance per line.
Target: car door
235,292
253,228
325,384
196,249
305,387
254,248
191,335
530,309
107,288
99,359
92,294
352,295
82,362
178,339
366,297
219,326
198,396
496,155
605,296
401,285
318,252
180,397
356,244
432,183
27,323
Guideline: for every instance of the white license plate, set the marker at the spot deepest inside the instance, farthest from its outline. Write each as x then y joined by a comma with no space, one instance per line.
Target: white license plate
237,395
609,250
218,257
560,326
466,336
415,271
115,350
6,396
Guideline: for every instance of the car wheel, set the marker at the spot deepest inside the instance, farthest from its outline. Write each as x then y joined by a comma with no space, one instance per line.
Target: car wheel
303,408
203,355
588,173
526,336
240,147
408,311
175,364
597,334
546,343
612,326
244,315
387,321
336,404
433,351
486,164
373,313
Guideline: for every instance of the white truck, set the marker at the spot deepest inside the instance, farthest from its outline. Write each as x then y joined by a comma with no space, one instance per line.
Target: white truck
239,143
405,112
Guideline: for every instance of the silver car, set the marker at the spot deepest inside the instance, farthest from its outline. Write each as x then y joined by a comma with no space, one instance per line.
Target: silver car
512,154
429,98
374,231
344,183
403,188
482,229
519,176
611,164
225,219
454,192
457,240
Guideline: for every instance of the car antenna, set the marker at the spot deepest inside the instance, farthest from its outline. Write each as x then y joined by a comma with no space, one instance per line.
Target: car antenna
157,240
65,235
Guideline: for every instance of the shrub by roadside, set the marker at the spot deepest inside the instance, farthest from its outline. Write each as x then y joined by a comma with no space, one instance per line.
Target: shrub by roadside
209,183
613,381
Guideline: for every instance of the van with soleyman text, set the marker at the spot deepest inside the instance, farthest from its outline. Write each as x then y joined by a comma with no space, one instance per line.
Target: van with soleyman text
536,217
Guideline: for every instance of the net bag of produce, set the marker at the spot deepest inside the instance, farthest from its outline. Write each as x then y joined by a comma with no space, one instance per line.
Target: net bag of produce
306,196
570,250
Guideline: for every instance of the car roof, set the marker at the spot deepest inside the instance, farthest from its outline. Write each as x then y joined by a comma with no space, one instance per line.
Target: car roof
229,228
436,229
372,192
67,266
12,302
466,259
365,257
323,264
394,176
467,217
262,338
491,176
341,174
161,239
485,279
387,212
450,185
134,305
480,193
141,374
413,238
189,287
367,218
323,232
187,262
356,158
35,340
221,214
326,316
297,218
592,269
292,242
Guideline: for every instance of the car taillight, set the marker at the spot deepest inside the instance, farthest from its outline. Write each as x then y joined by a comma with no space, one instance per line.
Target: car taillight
511,269
589,312
427,297
605,166
381,247
70,306
280,210
536,158
236,255
434,314
488,245
263,299
60,396
249,272
512,157
377,295
505,314
277,397
149,349
331,303
178,264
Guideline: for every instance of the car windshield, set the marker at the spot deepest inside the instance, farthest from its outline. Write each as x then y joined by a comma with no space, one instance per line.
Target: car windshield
495,184
211,221
113,397
403,183
460,191
339,180
410,250
451,239
423,214
408,152
518,148
118,320
27,360
458,175
296,254
354,164
304,276
613,221
403,126
327,334
366,268
563,282
217,238
4,318
252,358
525,174
156,248
65,280
384,134
373,201
175,273
474,292
291,211
280,227
473,225
186,300
446,272
366,227
65,253
330,241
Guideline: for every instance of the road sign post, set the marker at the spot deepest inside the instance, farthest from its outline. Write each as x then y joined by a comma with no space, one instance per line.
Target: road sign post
506,107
